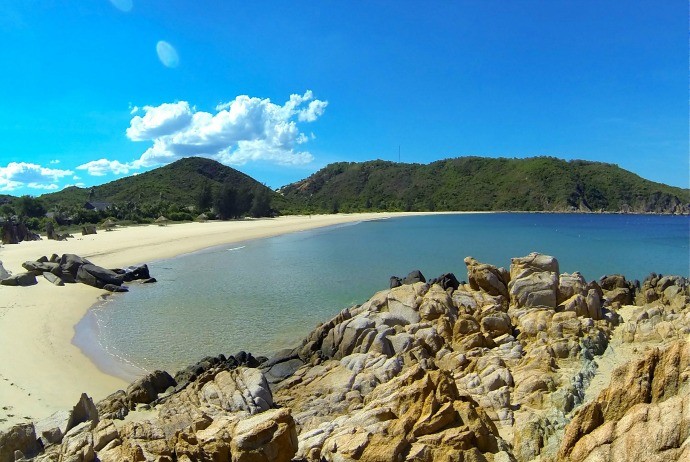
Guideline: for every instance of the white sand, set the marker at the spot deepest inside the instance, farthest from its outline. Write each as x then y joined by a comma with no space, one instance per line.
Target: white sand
41,371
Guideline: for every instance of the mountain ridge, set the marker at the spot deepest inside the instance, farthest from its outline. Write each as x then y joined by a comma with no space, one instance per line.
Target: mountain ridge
455,184
485,184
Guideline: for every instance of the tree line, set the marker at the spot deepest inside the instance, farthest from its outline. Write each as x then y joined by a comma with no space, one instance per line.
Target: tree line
225,202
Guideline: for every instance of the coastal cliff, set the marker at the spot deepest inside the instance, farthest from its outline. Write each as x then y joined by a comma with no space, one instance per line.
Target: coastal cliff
515,364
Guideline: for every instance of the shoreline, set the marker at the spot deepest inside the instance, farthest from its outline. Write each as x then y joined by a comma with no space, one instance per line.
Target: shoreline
43,370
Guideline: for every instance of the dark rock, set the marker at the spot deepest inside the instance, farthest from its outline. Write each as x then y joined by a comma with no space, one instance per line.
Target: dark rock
446,281
88,229
614,281
146,389
14,233
38,267
54,258
9,234
53,279
414,276
71,263
245,359
42,259
21,279
105,275
50,231
395,282
281,371
114,288
135,272
149,281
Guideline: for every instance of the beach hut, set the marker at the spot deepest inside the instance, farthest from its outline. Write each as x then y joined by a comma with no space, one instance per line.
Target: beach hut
162,221
202,218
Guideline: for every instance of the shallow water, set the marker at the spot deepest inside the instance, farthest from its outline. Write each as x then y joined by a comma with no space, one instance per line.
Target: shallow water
266,294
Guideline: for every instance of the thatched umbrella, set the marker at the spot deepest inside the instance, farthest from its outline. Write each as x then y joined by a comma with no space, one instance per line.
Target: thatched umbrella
161,220
202,217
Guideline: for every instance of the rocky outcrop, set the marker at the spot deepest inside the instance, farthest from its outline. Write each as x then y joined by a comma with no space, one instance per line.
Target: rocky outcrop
18,442
72,268
496,369
14,233
644,414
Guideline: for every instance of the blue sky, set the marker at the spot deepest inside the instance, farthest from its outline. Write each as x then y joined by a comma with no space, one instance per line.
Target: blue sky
101,89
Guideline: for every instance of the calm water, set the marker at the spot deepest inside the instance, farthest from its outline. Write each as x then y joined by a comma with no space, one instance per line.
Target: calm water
266,294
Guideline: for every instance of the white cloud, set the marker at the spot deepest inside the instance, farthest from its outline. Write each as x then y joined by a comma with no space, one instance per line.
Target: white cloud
55,161
19,174
76,177
102,167
243,130
159,121
48,187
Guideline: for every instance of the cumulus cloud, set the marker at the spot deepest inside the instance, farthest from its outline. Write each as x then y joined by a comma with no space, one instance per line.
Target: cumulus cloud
102,167
243,130
23,174
55,161
162,120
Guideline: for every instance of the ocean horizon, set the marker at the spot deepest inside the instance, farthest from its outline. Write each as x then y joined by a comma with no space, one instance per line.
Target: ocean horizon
266,294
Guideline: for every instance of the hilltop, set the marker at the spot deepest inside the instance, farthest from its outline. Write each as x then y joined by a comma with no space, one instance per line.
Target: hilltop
478,183
189,186
180,183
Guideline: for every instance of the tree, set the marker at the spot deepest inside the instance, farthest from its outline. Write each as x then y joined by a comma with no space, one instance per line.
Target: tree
6,211
205,199
31,207
244,200
226,202
261,204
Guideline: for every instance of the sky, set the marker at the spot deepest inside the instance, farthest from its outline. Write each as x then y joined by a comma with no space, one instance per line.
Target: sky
96,90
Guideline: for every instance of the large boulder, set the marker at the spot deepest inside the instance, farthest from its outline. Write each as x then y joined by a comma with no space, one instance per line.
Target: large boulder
131,273
96,276
267,437
488,278
53,429
534,281
70,263
242,389
570,285
19,441
21,279
146,389
534,290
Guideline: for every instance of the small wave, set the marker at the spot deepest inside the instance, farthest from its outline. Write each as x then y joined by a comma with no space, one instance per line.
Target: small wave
236,248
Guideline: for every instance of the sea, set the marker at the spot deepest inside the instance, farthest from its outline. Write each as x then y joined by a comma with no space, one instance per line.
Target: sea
266,294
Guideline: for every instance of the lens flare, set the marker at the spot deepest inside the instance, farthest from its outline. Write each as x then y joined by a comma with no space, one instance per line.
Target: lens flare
167,54
122,5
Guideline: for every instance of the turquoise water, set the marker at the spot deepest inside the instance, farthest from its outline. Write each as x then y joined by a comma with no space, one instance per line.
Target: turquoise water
265,294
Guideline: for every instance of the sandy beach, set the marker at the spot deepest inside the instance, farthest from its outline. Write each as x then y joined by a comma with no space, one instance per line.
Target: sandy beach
41,371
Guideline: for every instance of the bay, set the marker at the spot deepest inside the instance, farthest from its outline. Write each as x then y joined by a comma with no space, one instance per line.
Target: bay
266,294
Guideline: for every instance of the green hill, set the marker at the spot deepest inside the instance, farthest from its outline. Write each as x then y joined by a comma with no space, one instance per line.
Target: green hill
477,183
178,183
